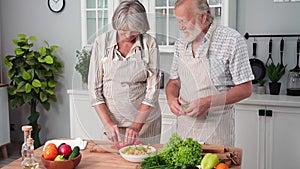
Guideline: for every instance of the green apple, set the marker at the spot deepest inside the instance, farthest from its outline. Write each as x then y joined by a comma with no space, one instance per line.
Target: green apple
59,158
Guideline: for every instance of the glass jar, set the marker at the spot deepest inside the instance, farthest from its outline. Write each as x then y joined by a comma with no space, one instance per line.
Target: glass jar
27,134
30,162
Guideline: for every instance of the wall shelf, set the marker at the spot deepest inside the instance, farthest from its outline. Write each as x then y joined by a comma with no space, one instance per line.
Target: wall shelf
247,35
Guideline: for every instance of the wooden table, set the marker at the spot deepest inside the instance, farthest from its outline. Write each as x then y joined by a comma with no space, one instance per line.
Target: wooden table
92,160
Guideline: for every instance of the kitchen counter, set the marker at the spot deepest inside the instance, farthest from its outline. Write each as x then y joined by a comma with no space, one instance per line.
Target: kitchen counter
93,160
260,99
272,100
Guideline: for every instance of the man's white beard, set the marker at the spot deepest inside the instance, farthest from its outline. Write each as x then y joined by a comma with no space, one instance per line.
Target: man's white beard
190,35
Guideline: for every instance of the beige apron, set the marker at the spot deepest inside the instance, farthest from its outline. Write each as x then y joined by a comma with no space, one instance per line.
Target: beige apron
124,87
217,126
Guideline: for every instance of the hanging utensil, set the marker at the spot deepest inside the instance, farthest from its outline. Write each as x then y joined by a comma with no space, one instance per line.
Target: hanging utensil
281,52
257,66
293,86
270,53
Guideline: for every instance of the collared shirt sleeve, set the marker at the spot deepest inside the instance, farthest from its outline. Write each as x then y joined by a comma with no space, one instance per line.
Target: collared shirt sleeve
240,66
153,71
95,77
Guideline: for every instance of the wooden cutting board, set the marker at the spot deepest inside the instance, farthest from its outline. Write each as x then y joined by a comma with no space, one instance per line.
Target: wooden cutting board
104,148
231,155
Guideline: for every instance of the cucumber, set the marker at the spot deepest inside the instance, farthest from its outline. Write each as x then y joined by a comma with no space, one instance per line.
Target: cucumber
60,145
75,153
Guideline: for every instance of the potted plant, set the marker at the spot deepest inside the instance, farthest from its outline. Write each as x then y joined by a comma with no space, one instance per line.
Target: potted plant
83,62
275,72
33,74
261,89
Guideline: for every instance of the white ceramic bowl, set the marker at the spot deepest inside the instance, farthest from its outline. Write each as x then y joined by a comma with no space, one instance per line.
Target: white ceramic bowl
137,158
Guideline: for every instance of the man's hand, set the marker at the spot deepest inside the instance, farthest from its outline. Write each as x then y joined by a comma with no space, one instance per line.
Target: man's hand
175,106
197,108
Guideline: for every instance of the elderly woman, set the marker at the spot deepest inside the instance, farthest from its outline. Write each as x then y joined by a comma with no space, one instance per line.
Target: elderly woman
124,77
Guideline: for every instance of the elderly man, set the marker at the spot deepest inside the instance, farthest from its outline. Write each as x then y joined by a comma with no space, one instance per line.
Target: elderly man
210,72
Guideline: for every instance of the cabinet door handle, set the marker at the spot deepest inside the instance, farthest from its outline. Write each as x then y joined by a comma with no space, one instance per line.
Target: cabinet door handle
269,113
261,112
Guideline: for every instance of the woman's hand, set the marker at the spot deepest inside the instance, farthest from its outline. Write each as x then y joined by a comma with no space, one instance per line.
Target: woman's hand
132,133
113,133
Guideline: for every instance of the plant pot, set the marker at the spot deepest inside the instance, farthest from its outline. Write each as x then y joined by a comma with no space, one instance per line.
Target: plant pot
274,88
261,90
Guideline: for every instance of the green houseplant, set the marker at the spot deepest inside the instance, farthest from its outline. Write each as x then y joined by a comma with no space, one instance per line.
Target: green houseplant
83,61
33,76
261,82
275,72
261,89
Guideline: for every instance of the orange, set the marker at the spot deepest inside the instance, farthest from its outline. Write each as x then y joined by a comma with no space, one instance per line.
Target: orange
222,166
50,146
50,151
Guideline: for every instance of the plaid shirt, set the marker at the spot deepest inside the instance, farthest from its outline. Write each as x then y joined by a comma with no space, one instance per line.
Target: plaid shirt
228,57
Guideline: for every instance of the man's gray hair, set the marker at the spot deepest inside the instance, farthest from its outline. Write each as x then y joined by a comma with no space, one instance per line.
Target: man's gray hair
201,6
130,15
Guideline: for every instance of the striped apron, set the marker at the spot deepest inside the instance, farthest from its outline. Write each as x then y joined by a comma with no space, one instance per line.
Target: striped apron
124,88
215,127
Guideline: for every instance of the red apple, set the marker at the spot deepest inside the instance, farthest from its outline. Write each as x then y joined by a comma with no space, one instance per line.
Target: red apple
65,150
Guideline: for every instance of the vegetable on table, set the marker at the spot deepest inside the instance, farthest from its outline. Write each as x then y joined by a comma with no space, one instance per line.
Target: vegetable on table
175,154
209,161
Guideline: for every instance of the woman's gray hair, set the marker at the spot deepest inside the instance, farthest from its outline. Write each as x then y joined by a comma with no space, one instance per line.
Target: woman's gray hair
130,15
201,6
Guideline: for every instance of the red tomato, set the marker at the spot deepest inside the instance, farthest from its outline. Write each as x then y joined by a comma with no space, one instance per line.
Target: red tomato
138,143
120,145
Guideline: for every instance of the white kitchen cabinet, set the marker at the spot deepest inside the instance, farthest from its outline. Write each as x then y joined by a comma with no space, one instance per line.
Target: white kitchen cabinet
169,120
4,120
85,123
284,126
266,130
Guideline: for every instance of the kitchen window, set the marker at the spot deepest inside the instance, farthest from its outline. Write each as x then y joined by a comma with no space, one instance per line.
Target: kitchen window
166,26
96,18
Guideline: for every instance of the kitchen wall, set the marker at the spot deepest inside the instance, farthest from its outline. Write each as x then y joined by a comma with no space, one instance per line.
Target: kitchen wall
33,17
267,17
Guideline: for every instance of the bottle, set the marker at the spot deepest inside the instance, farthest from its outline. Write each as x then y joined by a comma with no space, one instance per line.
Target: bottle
27,134
30,162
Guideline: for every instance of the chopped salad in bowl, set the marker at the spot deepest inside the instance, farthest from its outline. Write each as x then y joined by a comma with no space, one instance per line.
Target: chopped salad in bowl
136,153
